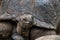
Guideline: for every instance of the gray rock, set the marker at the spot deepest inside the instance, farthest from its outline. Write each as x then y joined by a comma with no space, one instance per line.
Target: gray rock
49,37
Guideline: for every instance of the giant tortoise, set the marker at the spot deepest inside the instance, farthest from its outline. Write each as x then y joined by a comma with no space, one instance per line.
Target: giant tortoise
46,15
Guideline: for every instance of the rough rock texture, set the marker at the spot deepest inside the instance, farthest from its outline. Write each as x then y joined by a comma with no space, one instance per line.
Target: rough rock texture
47,11
49,37
43,10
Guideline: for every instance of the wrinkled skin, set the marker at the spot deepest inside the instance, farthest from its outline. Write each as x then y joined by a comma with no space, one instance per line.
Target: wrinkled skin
5,29
5,32
24,25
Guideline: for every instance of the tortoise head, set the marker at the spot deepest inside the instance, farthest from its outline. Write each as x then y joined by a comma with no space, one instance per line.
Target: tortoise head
26,20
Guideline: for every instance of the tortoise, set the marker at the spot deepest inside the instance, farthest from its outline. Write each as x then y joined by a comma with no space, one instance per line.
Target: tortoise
46,14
